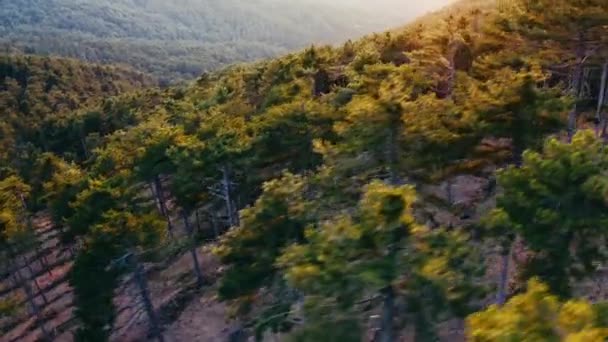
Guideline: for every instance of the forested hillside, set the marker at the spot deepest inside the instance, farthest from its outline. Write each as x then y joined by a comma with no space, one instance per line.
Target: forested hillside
182,38
38,95
442,181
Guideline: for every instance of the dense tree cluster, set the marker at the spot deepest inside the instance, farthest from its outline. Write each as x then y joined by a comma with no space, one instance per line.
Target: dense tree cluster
329,175
37,95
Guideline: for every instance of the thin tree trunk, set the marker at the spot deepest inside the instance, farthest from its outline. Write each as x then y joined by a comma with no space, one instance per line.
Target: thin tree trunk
162,204
449,191
151,186
198,220
142,284
600,118
576,87
501,296
214,225
84,145
388,315
226,185
197,267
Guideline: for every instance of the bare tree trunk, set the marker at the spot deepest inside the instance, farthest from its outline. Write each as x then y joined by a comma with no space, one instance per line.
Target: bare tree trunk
227,194
83,143
577,79
142,284
197,267
198,220
450,191
162,204
601,118
388,316
501,296
151,186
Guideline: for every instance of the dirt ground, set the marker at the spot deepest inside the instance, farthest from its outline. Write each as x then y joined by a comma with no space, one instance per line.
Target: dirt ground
203,320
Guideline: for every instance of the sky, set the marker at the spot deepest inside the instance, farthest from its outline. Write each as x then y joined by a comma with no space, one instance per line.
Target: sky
418,6
401,10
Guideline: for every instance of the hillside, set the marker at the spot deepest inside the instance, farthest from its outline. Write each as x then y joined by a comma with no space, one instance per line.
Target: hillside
182,38
443,181
37,90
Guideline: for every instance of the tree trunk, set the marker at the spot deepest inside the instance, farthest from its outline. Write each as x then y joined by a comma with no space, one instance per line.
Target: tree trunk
501,296
198,220
197,267
226,189
388,315
576,86
162,204
83,143
155,197
142,284
450,191
600,117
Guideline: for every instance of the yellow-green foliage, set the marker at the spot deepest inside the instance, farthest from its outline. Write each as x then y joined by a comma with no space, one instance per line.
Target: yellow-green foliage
537,315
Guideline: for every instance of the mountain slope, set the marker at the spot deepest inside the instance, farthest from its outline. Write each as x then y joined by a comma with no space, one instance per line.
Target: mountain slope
182,38
35,90
386,140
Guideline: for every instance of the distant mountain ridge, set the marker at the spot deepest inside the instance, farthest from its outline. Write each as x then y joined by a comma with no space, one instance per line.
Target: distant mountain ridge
181,38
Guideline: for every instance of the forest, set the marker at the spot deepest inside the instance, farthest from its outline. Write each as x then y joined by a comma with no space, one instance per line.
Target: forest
443,181
180,39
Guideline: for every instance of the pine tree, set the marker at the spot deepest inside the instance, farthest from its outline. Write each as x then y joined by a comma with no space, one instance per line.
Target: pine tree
17,237
379,251
227,146
96,272
277,219
538,315
556,202
564,34
110,220
61,188
187,185
371,140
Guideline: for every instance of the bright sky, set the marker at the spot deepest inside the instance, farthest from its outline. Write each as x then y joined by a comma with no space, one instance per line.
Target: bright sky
412,5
